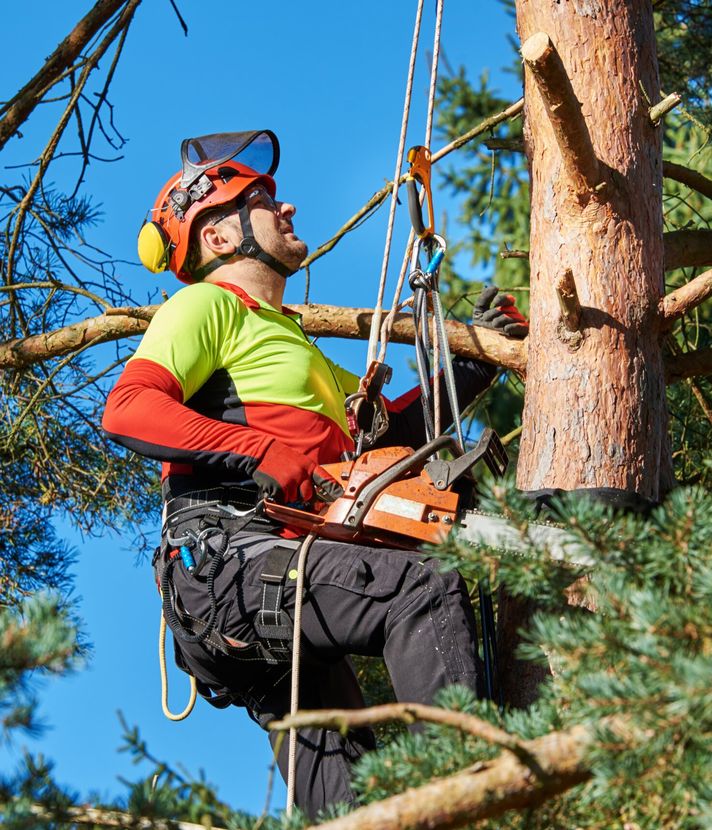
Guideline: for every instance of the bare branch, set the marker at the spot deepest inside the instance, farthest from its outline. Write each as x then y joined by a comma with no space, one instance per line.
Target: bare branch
688,365
18,354
687,249
483,791
318,321
123,21
511,111
17,110
691,178
510,145
344,719
678,302
564,111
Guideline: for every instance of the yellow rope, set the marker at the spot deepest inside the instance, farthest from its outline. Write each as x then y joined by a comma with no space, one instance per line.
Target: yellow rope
164,679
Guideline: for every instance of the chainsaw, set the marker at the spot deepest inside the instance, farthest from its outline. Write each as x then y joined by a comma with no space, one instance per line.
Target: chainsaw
399,497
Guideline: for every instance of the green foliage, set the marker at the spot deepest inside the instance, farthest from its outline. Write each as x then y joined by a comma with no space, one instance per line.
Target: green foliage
637,671
684,39
690,402
38,637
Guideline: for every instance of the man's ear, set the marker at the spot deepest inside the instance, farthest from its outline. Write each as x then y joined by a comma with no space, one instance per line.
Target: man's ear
219,239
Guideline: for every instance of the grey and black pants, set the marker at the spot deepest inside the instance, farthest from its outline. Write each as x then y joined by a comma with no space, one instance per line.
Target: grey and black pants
358,600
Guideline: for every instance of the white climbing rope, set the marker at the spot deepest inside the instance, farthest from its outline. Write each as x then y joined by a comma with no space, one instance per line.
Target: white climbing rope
376,321
376,326
164,679
296,656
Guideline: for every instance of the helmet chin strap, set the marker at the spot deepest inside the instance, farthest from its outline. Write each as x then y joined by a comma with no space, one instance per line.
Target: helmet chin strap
248,247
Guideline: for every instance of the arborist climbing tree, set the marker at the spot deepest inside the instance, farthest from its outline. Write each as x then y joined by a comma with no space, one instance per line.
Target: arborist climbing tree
244,412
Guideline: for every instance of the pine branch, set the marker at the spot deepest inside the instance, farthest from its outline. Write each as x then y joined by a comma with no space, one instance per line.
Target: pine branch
96,817
687,248
318,321
18,109
344,719
677,303
512,111
691,178
483,791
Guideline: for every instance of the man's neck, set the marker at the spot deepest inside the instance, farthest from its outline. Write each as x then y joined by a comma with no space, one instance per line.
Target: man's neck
260,284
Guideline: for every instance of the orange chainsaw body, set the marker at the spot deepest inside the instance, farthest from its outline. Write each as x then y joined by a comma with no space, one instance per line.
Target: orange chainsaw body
404,512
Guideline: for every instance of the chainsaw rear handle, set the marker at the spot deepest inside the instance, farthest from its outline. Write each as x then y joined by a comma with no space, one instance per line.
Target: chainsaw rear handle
489,448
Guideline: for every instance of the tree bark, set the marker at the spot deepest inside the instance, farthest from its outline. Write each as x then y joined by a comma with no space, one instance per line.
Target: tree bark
594,416
594,407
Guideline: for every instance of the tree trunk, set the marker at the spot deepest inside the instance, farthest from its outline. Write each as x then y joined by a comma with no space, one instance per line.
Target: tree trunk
594,410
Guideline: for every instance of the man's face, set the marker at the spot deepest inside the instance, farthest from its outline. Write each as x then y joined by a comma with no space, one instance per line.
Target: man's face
273,228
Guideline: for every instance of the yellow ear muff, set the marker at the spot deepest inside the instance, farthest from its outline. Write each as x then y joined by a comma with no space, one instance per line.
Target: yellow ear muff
154,247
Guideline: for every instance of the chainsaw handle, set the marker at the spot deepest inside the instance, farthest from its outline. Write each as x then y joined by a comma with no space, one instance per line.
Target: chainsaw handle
489,448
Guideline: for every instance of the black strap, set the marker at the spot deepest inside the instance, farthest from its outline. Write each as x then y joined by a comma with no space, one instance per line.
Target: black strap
272,623
250,247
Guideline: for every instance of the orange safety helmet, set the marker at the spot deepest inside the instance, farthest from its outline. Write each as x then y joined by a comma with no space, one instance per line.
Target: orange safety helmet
211,176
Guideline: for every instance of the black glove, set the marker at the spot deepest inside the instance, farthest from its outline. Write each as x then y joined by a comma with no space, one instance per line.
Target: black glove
504,317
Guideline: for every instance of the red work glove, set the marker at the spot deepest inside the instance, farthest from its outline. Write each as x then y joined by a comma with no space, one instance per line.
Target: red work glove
287,476
504,317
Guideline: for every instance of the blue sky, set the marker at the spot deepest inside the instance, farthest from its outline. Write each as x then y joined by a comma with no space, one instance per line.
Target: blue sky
329,79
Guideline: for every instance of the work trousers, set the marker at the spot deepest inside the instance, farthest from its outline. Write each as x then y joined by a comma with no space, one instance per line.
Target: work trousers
357,600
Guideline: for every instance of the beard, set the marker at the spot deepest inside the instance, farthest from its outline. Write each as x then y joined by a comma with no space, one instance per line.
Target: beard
289,250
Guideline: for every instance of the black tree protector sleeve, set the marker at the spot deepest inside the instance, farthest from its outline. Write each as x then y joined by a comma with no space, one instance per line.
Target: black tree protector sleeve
406,425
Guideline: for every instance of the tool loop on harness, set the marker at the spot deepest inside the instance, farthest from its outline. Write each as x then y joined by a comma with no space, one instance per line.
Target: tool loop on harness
272,624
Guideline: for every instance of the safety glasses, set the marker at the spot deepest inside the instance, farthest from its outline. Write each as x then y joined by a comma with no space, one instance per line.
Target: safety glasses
254,197
257,149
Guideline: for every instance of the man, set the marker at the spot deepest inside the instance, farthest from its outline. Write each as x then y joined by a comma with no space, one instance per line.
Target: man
226,389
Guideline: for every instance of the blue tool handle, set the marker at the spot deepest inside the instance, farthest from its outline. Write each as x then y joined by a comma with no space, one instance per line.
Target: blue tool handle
187,558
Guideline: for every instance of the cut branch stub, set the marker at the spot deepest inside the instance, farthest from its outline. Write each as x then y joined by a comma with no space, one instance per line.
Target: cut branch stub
565,116
568,300
662,108
569,330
